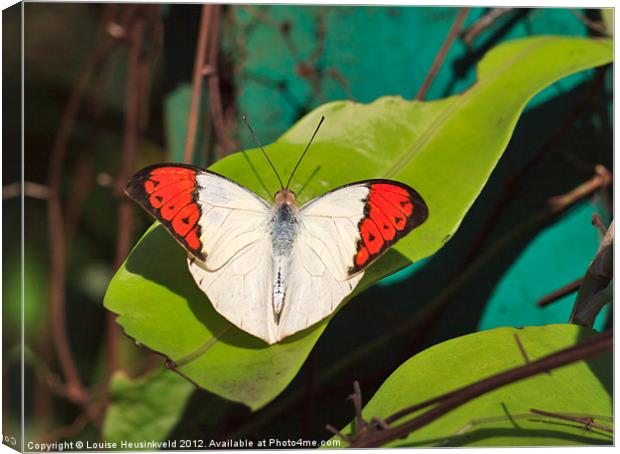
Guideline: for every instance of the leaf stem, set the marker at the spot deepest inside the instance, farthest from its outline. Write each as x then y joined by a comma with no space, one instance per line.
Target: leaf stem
585,420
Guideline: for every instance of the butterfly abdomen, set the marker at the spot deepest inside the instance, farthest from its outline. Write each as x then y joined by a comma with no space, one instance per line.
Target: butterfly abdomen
283,228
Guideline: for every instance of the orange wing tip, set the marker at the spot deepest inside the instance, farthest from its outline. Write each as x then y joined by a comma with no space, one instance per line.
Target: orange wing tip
391,211
169,192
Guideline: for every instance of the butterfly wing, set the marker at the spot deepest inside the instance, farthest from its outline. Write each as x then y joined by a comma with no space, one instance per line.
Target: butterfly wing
354,225
240,290
211,216
224,227
340,234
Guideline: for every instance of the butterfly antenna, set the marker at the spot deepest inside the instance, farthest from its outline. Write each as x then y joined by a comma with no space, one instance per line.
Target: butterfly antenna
304,153
247,123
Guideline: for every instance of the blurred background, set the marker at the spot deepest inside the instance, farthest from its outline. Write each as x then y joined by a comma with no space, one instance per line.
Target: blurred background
108,90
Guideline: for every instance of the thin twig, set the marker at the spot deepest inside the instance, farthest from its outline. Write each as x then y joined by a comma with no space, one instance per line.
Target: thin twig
595,26
443,51
66,432
215,97
356,397
604,194
598,223
31,189
560,293
468,35
340,80
264,18
339,434
134,94
56,225
585,420
586,189
194,107
593,347
521,348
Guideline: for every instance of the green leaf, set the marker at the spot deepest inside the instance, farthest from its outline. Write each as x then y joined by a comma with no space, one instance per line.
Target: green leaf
502,417
445,149
145,409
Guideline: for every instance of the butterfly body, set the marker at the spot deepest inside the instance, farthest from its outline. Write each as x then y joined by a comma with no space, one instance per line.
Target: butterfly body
275,269
283,230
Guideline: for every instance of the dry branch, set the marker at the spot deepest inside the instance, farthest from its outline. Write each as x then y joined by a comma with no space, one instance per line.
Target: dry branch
215,96
443,51
199,67
482,24
560,293
56,224
134,94
375,436
596,290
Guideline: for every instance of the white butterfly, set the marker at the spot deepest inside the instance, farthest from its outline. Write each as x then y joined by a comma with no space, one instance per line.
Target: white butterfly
273,269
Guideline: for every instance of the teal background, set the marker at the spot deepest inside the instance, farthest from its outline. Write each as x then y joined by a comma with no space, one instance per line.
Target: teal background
555,257
377,51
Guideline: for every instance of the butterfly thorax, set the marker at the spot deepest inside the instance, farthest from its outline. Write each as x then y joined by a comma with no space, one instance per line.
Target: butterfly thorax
283,229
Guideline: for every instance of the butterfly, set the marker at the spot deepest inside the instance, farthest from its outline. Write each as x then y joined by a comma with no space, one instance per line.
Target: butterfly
273,269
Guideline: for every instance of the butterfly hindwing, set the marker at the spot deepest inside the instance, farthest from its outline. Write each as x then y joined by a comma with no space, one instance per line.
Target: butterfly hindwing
240,289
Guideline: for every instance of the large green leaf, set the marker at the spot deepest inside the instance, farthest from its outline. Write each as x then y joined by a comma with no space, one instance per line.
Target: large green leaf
502,417
446,149
145,409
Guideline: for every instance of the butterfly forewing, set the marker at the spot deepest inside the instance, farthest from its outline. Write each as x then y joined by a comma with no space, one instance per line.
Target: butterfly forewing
209,215
170,194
